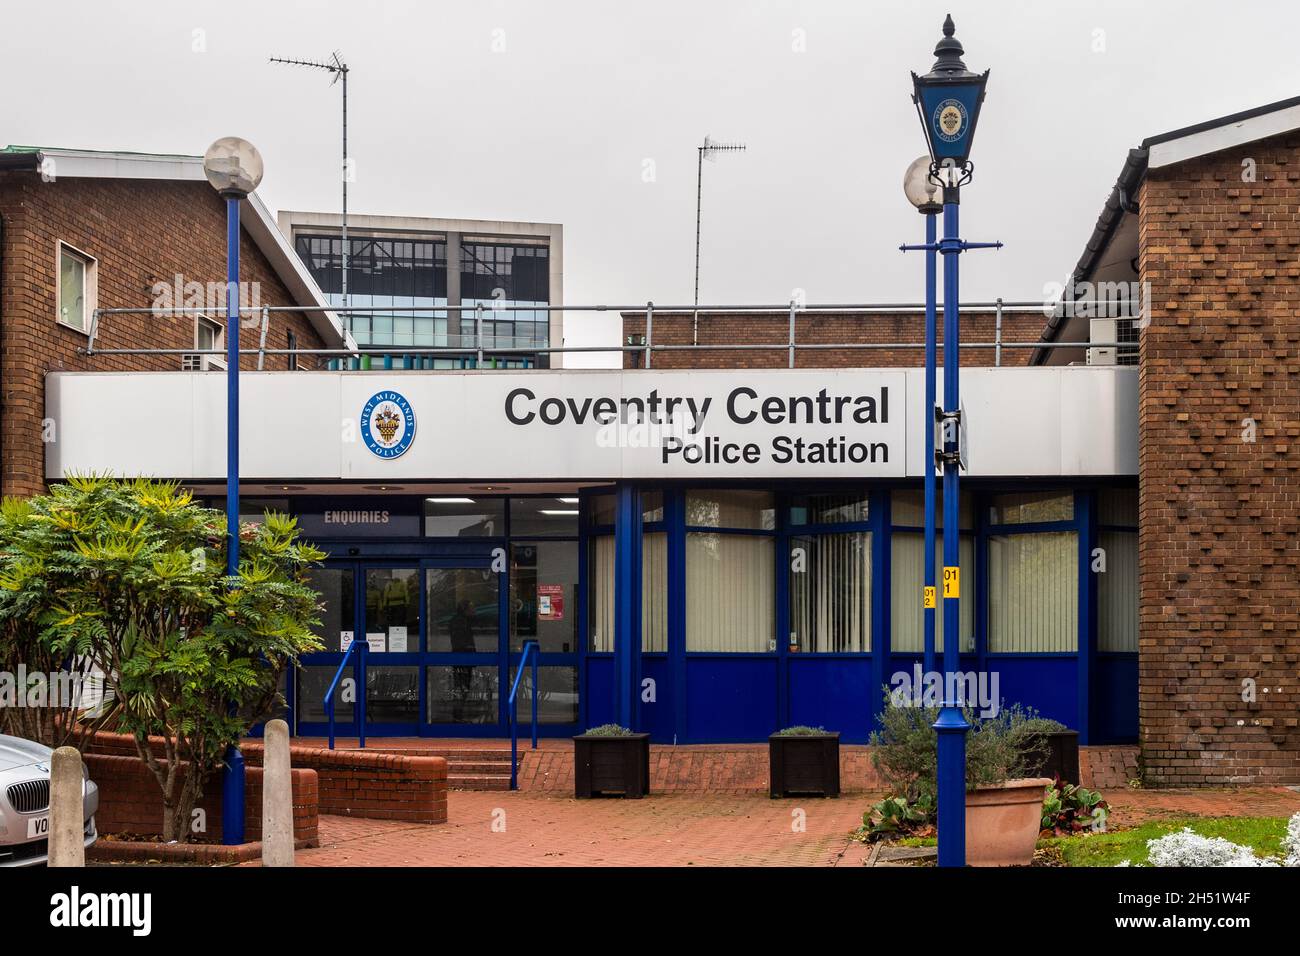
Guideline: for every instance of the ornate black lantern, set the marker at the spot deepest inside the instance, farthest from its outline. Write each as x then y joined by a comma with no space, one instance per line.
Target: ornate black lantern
948,100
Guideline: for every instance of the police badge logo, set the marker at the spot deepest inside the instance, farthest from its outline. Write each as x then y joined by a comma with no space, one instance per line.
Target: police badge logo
388,424
950,120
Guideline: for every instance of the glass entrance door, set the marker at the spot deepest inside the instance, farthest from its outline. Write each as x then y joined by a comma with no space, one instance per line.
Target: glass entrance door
463,614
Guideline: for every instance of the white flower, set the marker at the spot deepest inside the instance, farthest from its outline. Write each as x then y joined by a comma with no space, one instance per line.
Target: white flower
1291,842
1192,849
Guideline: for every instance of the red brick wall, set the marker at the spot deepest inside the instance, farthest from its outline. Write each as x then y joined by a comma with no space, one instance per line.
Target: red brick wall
377,786
1219,552
130,801
141,232
825,328
743,768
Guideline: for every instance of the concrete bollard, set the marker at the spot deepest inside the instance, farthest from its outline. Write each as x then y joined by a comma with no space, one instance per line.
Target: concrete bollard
277,796
67,825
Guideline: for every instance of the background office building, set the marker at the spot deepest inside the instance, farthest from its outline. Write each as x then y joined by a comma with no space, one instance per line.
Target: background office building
501,274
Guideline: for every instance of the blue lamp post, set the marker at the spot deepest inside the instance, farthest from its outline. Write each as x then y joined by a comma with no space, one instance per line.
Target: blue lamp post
234,168
948,101
926,196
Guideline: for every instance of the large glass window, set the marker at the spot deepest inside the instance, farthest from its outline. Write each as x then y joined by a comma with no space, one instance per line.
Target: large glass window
543,595
335,586
829,509
313,681
830,593
499,274
907,583
385,272
462,694
1117,586
1034,593
543,516
462,609
654,592
392,694
1032,506
557,695
730,597
461,517
731,509
393,609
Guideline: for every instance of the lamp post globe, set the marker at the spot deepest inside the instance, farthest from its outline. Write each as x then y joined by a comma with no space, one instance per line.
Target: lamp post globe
233,166
921,191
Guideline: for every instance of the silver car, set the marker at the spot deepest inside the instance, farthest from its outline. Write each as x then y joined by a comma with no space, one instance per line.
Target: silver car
25,802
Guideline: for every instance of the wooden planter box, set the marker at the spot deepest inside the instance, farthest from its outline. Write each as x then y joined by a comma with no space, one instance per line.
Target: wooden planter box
611,765
804,765
1060,760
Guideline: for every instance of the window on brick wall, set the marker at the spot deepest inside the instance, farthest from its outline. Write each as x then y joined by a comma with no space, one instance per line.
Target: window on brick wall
292,346
209,335
75,300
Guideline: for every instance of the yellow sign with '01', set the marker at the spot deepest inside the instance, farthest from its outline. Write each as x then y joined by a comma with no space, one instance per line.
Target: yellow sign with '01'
951,582
928,602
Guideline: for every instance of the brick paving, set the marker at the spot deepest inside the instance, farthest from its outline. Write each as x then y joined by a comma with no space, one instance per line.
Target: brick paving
683,829
541,830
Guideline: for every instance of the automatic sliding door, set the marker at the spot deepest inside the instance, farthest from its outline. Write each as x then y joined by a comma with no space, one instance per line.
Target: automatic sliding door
463,611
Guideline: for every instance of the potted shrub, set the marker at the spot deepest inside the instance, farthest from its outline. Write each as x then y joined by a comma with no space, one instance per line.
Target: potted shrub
611,759
804,760
1004,806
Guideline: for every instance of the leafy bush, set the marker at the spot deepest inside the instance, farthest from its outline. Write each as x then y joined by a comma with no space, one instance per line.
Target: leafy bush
802,730
895,817
130,576
609,730
905,749
1070,809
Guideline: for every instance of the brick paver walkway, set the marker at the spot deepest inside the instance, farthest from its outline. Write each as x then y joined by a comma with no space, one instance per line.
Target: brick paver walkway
683,829
540,830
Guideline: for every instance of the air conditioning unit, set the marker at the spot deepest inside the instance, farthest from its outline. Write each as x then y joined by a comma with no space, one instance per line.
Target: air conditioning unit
1103,330
198,362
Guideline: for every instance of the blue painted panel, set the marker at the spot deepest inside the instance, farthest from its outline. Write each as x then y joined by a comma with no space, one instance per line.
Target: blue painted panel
730,699
657,715
600,691
833,692
1047,684
1115,699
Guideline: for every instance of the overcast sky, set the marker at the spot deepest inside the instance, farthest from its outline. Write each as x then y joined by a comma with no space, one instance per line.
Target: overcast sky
588,114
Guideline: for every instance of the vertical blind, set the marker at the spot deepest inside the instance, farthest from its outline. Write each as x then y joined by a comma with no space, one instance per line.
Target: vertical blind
654,593
1117,592
730,595
907,579
1034,593
830,593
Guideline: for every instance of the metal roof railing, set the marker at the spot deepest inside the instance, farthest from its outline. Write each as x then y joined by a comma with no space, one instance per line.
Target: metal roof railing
483,346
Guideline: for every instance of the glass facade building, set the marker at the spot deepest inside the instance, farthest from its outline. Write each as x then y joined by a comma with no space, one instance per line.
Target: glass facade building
434,289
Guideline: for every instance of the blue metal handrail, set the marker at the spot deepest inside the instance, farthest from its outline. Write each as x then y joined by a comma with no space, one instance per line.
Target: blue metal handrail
359,647
530,650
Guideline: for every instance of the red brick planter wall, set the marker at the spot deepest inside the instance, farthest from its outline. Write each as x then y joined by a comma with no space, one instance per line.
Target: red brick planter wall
130,801
740,768
378,786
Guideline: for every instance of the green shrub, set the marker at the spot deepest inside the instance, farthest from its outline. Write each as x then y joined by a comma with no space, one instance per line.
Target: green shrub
1070,809
802,730
905,749
609,730
895,817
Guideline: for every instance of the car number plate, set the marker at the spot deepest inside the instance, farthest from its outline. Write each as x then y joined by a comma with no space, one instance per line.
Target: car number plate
38,827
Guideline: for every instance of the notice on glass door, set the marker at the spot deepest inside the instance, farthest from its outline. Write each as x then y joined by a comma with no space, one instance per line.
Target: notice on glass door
397,640
345,640
550,602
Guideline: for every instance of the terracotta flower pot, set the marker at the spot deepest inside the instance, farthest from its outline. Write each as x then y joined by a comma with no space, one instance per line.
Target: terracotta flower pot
1002,822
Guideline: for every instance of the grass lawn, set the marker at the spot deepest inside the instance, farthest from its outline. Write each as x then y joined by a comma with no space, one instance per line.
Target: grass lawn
1262,834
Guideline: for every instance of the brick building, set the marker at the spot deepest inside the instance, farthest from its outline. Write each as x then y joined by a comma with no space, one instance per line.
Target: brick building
125,230
525,508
